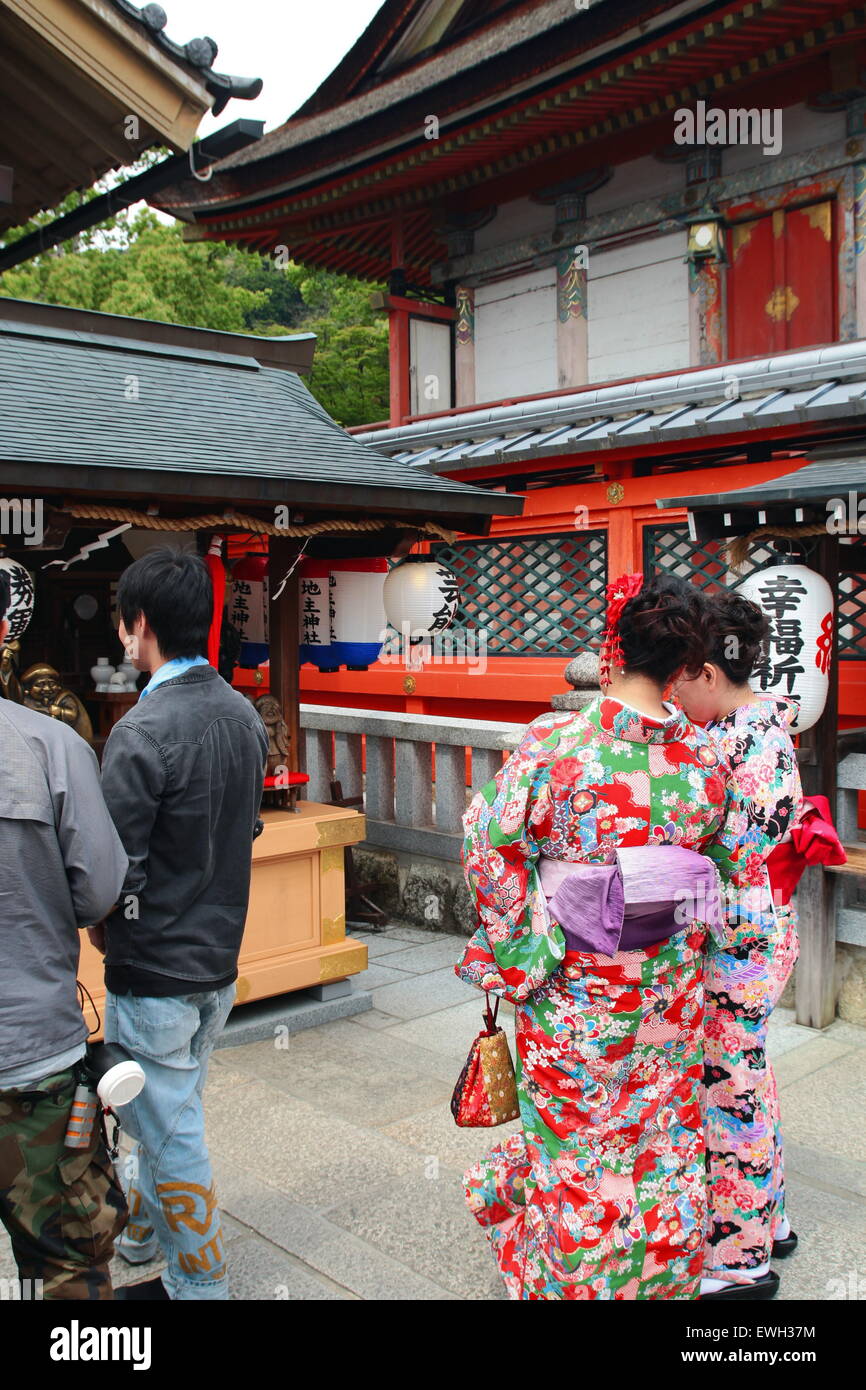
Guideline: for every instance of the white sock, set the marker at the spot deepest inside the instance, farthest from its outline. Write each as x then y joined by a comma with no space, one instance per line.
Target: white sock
783,1229
714,1285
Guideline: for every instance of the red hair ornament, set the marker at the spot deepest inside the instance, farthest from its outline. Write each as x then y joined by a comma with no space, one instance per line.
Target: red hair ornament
618,594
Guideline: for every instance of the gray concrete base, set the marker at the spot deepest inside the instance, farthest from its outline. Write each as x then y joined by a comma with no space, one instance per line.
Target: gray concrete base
334,990
289,1013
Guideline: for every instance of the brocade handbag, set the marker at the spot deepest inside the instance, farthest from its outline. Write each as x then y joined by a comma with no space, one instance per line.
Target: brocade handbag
486,1090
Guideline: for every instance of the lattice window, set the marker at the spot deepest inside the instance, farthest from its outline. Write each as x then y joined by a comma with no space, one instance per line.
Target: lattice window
852,617
530,595
669,548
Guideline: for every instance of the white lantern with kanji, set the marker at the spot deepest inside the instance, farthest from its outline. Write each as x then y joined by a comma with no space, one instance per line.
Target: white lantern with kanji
798,604
421,597
358,621
21,599
315,615
249,608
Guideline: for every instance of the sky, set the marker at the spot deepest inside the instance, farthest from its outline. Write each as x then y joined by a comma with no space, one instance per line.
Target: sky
291,44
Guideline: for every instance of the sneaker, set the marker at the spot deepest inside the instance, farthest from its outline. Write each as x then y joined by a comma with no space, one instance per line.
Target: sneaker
148,1290
137,1252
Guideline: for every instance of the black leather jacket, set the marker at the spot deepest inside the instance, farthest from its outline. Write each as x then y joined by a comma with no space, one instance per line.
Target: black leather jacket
182,777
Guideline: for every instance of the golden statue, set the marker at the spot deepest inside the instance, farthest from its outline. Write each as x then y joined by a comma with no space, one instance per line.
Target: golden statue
10,685
43,691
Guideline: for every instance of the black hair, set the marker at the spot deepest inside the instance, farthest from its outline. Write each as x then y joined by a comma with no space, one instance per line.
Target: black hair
664,630
739,631
5,594
172,590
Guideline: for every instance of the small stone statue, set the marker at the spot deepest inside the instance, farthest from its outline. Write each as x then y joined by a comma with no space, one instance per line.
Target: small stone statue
43,691
10,685
278,733
278,748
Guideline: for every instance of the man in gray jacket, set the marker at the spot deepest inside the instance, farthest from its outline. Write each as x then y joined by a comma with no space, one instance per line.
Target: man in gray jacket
62,868
182,774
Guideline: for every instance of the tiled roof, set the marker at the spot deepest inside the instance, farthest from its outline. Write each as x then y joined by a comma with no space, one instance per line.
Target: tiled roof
79,405
802,387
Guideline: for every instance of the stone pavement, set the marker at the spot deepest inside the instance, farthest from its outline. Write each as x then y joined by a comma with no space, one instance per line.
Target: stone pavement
338,1164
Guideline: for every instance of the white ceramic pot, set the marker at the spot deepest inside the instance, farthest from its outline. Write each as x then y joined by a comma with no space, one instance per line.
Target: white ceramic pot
102,673
129,673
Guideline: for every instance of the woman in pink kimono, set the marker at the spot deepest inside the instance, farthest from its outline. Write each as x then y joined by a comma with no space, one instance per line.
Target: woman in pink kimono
745,977
602,1195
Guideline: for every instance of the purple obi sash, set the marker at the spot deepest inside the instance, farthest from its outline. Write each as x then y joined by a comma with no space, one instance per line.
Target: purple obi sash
646,895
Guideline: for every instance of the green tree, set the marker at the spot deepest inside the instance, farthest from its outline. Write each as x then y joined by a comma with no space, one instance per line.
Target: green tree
140,266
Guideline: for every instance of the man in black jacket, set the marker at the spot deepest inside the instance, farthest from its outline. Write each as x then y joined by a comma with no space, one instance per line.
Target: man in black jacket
182,777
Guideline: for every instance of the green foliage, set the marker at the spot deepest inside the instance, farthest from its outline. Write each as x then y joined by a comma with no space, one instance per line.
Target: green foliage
138,265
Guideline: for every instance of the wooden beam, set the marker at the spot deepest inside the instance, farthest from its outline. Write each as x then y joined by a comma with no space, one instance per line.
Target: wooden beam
418,308
284,640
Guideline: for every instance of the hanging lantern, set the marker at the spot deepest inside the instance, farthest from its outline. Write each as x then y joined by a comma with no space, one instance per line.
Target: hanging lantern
316,615
358,621
421,597
22,597
798,604
342,616
249,608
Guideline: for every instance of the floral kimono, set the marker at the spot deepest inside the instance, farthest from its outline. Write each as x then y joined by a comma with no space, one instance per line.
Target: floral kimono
603,1194
743,984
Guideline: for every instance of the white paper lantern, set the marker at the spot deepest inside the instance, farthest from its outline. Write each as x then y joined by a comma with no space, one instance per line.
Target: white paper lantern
799,606
342,616
315,615
248,611
358,622
22,598
421,596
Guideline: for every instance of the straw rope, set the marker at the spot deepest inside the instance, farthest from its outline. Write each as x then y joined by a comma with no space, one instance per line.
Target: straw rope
737,550
237,521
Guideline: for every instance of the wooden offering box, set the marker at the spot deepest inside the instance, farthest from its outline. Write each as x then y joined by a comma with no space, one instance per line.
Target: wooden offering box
295,933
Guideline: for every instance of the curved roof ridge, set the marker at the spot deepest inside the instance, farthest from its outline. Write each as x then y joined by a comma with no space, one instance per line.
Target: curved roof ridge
198,53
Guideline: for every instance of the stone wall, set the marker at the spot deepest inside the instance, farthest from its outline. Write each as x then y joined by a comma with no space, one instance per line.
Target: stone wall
429,893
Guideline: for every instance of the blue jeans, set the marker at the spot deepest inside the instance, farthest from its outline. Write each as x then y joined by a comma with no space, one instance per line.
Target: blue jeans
168,1178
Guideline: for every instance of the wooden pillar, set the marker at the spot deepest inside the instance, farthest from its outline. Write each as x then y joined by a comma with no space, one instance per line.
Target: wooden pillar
706,315
398,336
816,971
464,347
572,343
284,639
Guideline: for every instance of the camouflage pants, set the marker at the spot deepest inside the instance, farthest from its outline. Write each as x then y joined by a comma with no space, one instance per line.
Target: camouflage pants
62,1207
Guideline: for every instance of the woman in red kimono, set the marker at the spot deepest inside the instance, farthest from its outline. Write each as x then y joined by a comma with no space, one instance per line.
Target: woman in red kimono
602,1194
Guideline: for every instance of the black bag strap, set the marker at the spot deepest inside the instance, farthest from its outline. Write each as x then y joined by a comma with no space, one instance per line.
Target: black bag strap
490,1016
